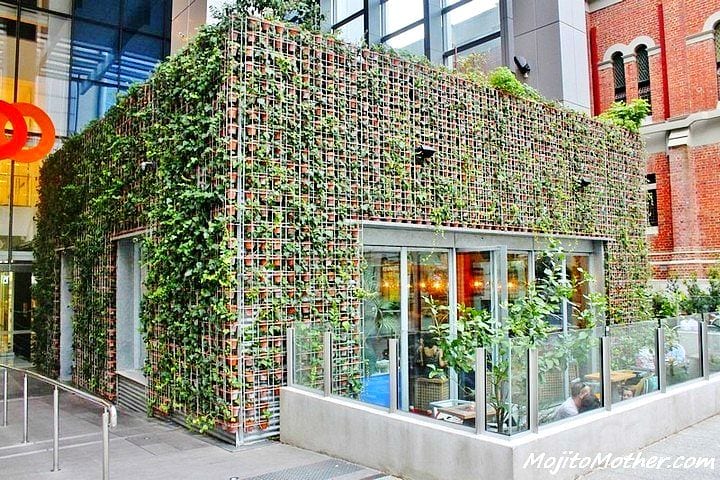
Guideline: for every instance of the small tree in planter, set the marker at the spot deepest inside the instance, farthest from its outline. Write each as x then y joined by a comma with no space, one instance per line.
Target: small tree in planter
526,327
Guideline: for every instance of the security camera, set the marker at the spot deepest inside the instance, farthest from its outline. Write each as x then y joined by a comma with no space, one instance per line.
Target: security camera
522,65
423,152
147,166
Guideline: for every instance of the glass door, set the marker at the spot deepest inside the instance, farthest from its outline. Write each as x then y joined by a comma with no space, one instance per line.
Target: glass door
480,282
381,322
428,282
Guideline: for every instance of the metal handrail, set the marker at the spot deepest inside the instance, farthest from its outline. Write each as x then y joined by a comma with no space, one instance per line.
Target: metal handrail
109,416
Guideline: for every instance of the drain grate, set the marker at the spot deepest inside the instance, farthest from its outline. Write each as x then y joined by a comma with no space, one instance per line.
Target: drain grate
326,470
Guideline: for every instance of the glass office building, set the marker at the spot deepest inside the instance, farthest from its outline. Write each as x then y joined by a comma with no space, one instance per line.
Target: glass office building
443,30
70,58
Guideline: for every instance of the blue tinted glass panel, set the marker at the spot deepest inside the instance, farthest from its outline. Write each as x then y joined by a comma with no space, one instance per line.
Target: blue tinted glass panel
88,101
146,16
106,11
94,51
139,56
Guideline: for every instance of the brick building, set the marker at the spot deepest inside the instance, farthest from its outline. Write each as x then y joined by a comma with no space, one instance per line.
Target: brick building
668,52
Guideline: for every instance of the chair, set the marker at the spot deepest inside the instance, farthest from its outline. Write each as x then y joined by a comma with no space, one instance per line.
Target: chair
646,385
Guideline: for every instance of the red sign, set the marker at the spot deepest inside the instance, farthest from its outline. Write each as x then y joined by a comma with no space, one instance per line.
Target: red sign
12,148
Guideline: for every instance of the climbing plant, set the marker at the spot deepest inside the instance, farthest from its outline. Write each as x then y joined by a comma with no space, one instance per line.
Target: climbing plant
247,167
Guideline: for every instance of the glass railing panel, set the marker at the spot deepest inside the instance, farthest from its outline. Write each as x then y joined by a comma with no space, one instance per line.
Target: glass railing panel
713,322
507,387
309,355
683,359
570,374
633,359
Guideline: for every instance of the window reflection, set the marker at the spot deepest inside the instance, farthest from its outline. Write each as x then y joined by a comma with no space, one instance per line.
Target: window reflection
427,278
381,321
517,264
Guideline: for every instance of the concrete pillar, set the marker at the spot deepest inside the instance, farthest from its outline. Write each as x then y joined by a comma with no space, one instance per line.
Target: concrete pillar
187,17
552,36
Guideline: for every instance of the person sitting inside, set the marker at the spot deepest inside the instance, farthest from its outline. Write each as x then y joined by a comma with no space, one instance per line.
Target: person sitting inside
571,406
627,393
590,402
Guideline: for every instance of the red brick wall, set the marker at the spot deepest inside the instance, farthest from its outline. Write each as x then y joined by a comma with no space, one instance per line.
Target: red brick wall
688,181
663,241
691,73
707,177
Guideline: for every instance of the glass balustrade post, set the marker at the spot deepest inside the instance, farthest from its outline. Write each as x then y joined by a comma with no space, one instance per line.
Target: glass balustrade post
662,368
704,348
106,444
25,408
393,371
480,392
5,398
56,429
533,392
327,362
290,356
606,373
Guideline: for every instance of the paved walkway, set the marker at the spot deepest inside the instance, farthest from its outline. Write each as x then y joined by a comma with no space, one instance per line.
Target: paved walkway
681,449
143,448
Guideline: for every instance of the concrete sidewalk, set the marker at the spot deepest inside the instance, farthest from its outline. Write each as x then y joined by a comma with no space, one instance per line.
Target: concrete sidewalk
699,441
142,448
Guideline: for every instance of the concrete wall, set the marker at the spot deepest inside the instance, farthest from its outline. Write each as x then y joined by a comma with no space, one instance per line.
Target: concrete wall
415,448
552,36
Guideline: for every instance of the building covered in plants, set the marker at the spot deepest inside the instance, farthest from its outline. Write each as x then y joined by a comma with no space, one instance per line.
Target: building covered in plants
269,175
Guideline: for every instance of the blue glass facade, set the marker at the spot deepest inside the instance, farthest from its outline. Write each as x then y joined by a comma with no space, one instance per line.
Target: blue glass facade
70,58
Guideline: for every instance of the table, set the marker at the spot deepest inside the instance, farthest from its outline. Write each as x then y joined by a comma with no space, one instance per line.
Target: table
461,409
616,376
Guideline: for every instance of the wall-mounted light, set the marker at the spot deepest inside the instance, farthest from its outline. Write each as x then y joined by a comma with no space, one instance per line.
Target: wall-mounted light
583,183
423,152
523,66
147,166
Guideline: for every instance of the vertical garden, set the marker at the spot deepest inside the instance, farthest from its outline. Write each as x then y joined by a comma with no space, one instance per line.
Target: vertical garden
247,167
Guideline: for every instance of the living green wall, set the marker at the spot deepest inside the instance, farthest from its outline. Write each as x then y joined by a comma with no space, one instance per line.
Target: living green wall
268,149
155,167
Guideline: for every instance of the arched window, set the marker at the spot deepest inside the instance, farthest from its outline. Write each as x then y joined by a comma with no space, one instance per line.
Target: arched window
643,68
619,74
717,55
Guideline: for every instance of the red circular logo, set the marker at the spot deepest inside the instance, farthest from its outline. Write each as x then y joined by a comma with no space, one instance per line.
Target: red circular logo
13,147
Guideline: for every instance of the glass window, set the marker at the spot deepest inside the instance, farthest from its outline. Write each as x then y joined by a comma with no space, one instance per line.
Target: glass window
471,21
490,50
88,101
427,279
60,6
717,55
104,11
381,322
95,53
475,280
341,9
619,76
139,57
353,31
518,265
400,13
652,200
44,72
412,41
145,16
643,65
577,266
8,31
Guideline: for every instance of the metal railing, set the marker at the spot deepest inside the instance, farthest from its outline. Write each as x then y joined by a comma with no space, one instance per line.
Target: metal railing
109,415
659,338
